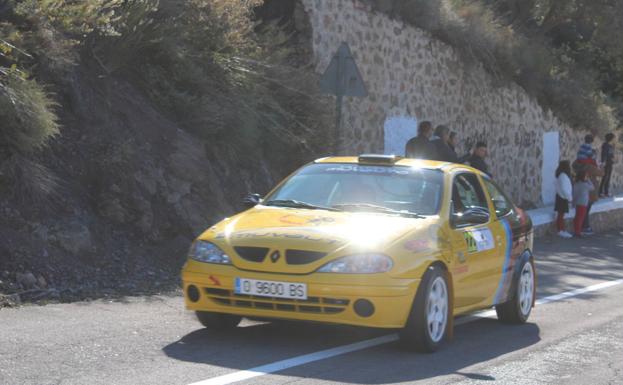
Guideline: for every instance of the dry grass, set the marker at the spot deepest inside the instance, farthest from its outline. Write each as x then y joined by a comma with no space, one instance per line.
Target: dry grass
571,89
204,63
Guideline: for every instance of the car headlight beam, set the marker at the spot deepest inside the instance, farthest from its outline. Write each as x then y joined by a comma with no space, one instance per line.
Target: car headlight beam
208,252
370,263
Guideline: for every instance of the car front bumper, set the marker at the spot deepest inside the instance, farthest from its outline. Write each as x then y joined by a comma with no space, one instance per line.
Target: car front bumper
332,298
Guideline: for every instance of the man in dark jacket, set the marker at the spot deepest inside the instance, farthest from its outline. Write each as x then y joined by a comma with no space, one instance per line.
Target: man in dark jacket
453,141
607,159
477,159
441,140
421,147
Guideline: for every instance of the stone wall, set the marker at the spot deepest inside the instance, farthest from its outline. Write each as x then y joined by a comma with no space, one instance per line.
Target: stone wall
410,74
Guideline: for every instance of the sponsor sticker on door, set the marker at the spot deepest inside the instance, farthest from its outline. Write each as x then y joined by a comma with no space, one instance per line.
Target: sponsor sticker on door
479,240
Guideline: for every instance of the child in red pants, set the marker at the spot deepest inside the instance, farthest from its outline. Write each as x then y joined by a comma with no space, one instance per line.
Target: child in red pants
581,191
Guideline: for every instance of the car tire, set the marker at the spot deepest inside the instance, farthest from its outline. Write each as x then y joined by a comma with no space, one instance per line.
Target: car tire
218,321
518,308
429,319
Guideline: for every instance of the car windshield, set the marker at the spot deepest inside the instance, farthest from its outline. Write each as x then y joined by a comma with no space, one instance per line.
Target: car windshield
353,187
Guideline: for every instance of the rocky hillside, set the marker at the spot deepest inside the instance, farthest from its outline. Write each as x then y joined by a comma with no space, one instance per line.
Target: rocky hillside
128,126
143,163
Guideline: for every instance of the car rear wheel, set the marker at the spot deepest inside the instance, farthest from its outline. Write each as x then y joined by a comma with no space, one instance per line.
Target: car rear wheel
518,308
217,320
427,325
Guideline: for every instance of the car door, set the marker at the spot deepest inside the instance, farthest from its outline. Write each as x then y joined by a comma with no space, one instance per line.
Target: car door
475,260
509,230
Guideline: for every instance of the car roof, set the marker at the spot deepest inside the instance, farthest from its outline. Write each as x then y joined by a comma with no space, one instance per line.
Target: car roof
399,161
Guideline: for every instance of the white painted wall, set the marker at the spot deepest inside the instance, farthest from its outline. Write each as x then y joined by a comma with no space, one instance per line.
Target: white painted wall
551,157
398,130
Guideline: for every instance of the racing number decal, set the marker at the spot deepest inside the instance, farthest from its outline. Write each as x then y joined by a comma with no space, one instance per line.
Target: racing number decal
471,242
479,240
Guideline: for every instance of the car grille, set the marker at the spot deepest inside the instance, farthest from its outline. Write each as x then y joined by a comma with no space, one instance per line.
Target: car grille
302,257
320,305
252,254
293,257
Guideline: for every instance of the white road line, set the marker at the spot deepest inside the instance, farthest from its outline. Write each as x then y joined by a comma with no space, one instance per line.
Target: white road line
474,316
576,292
296,361
543,301
324,354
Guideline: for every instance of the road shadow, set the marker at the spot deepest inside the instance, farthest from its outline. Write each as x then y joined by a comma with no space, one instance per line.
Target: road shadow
247,347
567,264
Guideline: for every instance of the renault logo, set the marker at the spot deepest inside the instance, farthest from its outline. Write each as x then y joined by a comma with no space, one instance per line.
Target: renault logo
275,256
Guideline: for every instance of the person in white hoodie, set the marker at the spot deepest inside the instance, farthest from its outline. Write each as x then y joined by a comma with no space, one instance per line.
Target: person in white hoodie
564,195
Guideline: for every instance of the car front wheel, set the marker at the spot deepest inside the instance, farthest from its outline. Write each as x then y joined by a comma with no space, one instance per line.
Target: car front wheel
518,308
217,320
427,325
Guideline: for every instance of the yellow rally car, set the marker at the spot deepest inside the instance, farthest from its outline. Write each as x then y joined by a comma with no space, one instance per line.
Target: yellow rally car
375,241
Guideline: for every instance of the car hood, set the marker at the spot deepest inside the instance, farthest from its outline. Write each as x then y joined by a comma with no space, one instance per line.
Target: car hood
305,239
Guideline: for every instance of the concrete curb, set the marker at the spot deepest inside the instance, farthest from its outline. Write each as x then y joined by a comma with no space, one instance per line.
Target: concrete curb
545,216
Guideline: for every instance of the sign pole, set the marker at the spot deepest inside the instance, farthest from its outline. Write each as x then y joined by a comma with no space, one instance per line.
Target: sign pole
338,123
342,78
338,102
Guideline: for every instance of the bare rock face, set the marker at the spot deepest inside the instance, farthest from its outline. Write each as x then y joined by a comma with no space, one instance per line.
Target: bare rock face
41,282
74,238
27,281
10,300
136,189
111,208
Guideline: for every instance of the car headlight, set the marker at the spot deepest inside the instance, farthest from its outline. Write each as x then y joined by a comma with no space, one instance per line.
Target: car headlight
359,264
203,251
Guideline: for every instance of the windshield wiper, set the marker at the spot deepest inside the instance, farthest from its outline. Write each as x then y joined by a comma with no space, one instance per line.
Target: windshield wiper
297,204
376,209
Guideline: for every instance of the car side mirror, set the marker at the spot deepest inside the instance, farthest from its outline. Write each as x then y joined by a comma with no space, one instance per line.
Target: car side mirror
471,216
252,200
499,202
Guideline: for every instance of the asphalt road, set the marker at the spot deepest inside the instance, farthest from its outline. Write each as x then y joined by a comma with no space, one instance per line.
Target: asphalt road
153,340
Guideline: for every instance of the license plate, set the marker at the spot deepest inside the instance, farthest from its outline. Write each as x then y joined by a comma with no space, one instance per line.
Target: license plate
271,288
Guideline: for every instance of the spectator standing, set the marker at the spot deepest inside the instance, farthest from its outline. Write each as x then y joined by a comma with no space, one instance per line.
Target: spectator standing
581,191
607,159
442,146
587,161
477,158
564,195
586,153
421,147
453,141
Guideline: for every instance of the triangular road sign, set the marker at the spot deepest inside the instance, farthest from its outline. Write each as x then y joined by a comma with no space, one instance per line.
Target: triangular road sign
342,77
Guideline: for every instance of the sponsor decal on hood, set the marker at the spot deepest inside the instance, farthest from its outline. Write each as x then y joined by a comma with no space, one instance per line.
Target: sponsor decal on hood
359,230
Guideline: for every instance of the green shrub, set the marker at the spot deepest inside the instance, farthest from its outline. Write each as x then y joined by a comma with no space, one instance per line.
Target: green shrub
24,179
205,63
28,123
27,115
74,18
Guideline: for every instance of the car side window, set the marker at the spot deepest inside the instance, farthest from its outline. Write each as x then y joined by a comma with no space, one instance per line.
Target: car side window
467,194
501,203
